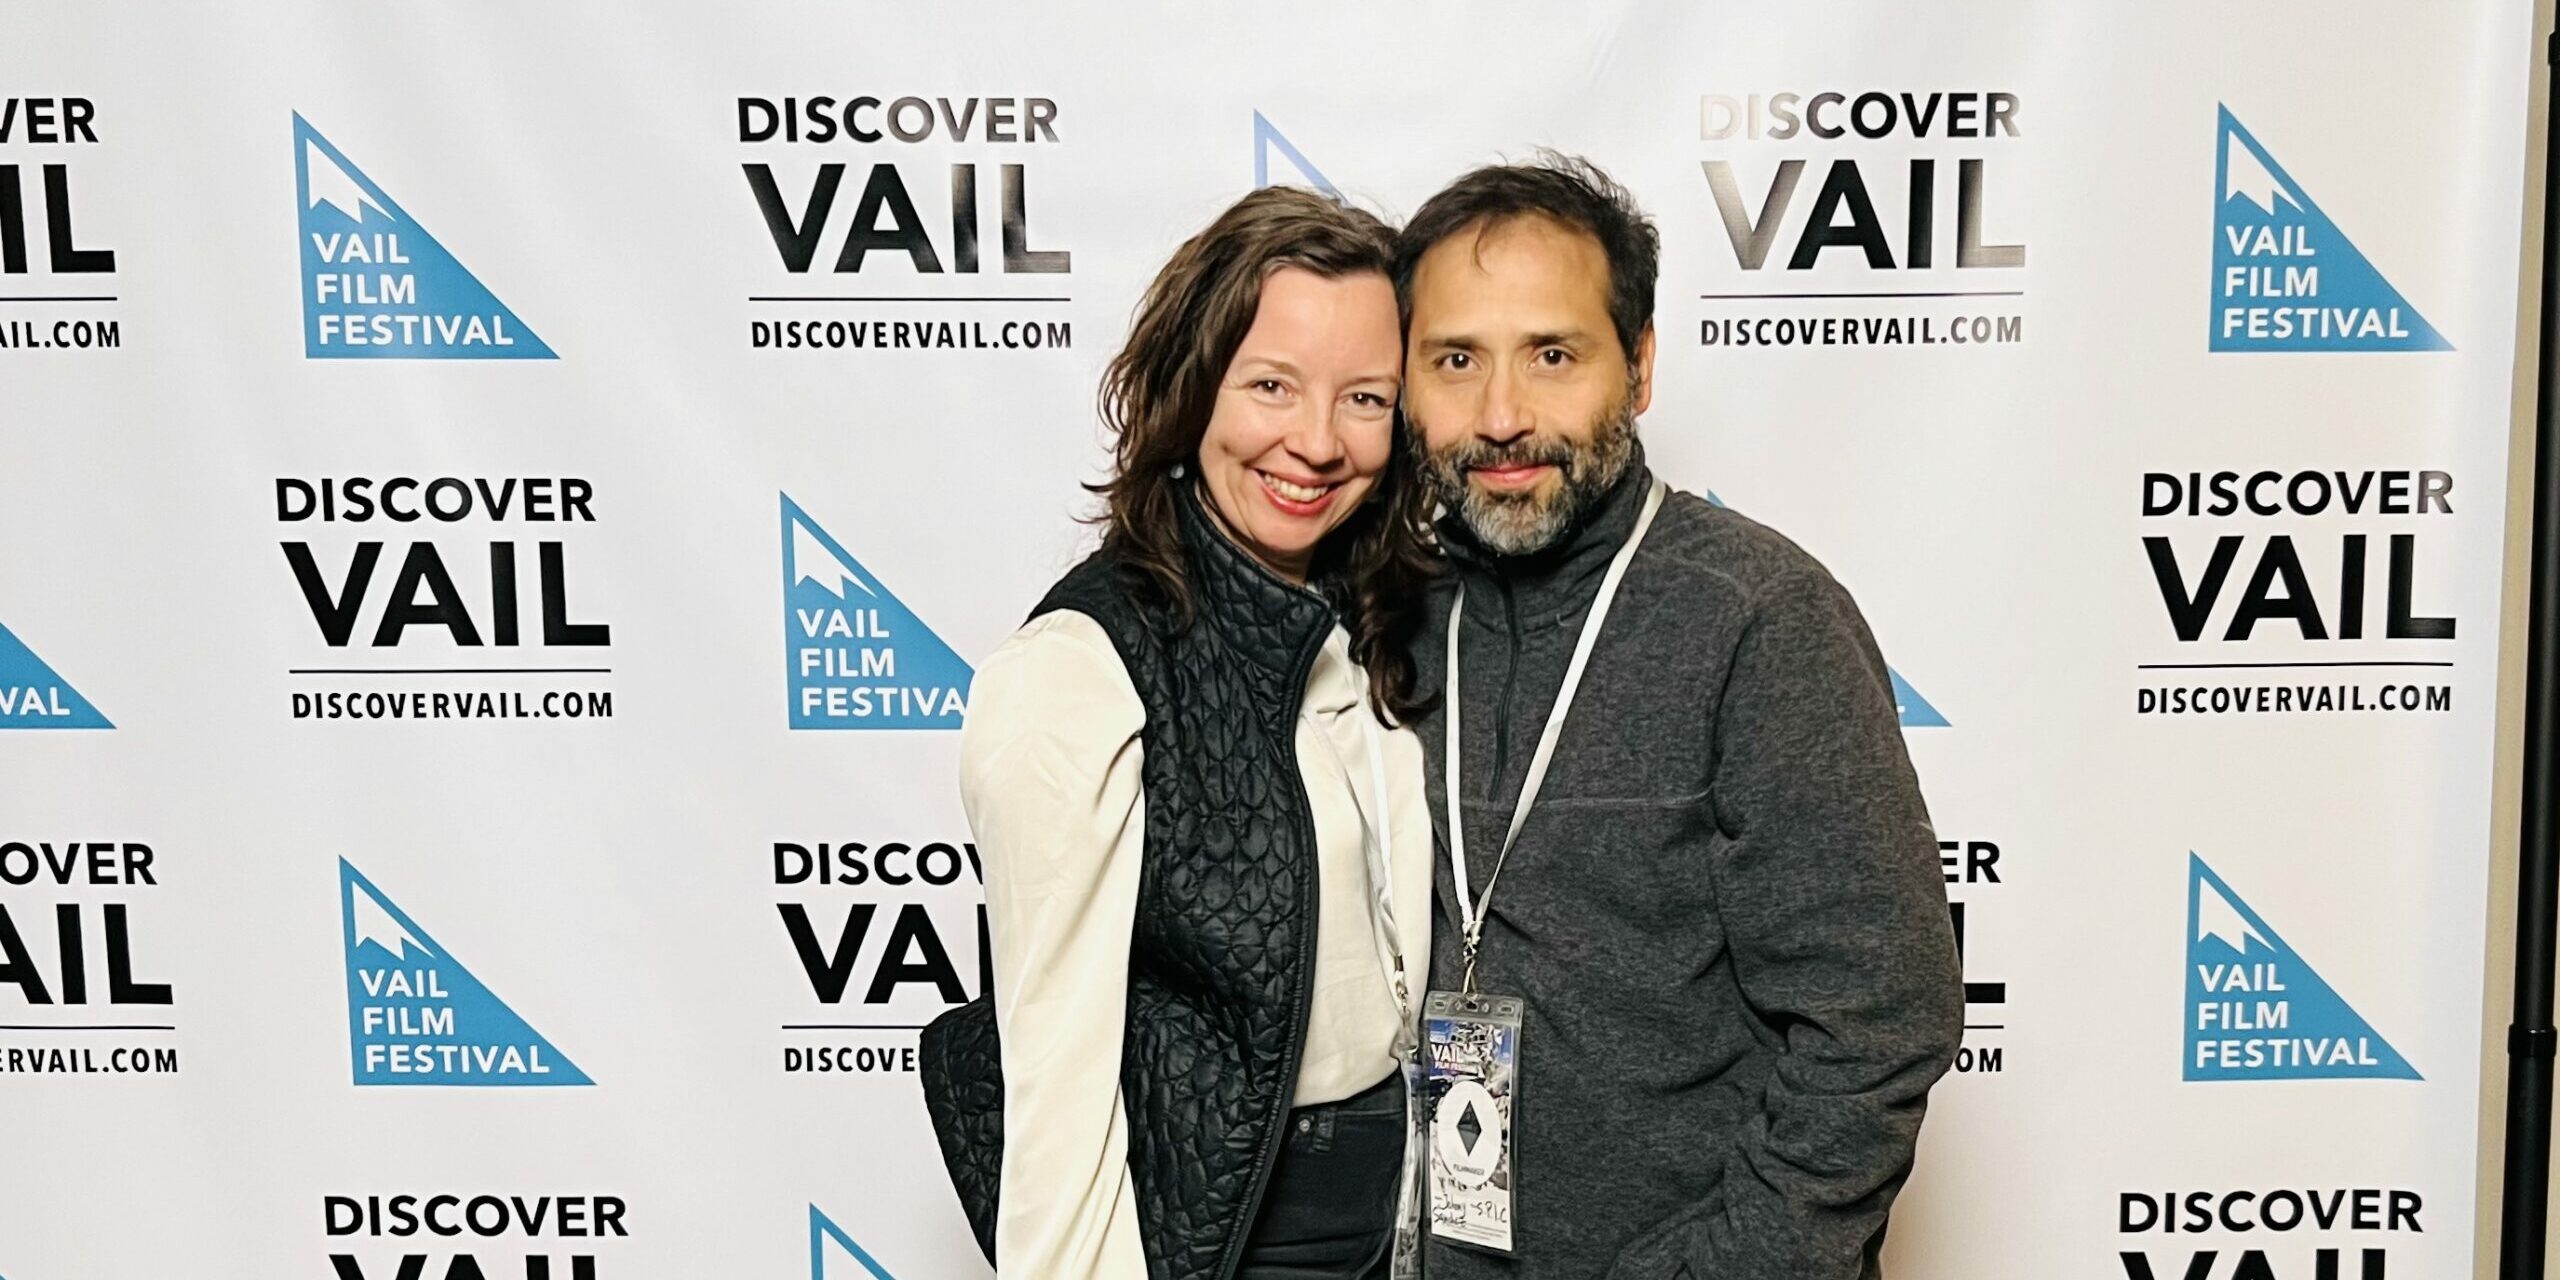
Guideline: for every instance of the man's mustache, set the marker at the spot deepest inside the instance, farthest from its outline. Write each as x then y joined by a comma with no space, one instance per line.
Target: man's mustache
1475,454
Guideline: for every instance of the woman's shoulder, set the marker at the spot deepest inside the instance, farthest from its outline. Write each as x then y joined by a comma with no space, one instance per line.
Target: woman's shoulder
1056,643
1055,687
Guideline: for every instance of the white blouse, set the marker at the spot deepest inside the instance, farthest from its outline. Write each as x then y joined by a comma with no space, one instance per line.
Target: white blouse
1049,774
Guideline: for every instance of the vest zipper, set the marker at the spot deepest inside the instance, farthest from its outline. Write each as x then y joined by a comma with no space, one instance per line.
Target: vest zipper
1266,1157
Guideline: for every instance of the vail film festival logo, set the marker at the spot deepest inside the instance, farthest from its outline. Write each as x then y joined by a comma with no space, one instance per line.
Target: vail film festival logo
834,1256
1267,139
416,1016
2255,1008
856,657
2285,278
1915,710
32,696
376,285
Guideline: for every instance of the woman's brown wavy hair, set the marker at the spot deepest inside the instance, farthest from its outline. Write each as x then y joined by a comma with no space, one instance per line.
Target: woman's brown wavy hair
1157,395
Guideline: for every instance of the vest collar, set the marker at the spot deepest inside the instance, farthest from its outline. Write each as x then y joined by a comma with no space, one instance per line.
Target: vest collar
1271,621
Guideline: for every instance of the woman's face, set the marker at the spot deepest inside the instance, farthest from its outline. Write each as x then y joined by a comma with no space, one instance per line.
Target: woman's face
1305,417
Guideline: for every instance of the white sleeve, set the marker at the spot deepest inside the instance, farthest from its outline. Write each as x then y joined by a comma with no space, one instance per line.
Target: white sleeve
1049,774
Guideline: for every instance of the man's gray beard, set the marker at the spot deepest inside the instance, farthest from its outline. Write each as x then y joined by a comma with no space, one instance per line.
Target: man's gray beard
1519,524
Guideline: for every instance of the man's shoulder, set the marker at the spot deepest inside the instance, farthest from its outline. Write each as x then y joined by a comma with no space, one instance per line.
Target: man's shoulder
1704,537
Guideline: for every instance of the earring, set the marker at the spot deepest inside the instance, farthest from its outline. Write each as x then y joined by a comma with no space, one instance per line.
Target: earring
1181,469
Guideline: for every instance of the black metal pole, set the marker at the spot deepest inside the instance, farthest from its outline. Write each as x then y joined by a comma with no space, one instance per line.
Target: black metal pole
2524,1215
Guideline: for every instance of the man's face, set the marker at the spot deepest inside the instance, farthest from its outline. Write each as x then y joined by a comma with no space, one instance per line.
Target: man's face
1515,384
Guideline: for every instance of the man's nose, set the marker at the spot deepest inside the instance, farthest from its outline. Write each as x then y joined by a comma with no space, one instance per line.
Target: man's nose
1508,414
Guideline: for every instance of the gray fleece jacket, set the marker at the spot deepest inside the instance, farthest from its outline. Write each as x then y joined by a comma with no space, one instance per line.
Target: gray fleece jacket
1726,910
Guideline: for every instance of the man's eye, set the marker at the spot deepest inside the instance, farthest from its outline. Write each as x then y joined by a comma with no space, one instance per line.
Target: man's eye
1456,361
1554,356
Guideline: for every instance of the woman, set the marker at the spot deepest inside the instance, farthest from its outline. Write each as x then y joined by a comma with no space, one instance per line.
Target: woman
1208,860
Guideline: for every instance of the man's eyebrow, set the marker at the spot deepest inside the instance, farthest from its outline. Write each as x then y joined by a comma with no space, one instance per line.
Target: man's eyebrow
1449,342
1558,338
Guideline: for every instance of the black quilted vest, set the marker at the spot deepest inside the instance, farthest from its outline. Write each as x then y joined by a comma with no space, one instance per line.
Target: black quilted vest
1222,959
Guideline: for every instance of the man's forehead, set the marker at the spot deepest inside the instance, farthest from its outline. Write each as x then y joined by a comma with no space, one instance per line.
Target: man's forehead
1513,241
1519,259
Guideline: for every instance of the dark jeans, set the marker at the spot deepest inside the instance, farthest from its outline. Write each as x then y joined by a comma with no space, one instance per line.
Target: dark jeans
1329,1213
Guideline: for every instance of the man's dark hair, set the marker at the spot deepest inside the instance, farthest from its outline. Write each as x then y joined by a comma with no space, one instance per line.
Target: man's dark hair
1568,190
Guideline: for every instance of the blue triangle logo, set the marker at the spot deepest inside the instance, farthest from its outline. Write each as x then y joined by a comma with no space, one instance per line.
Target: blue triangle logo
855,657
2285,278
376,285
416,1016
1914,711
822,1232
33,697
2256,1010
1266,140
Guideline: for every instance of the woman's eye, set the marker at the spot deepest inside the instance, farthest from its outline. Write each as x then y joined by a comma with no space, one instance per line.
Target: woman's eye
1267,386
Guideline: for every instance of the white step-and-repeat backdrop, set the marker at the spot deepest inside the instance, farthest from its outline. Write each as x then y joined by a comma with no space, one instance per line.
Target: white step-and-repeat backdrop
498,504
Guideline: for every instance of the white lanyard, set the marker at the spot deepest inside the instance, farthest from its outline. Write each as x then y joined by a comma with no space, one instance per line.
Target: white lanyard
1377,840
1471,906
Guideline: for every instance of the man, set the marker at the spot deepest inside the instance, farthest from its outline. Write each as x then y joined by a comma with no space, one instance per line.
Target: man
1722,912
